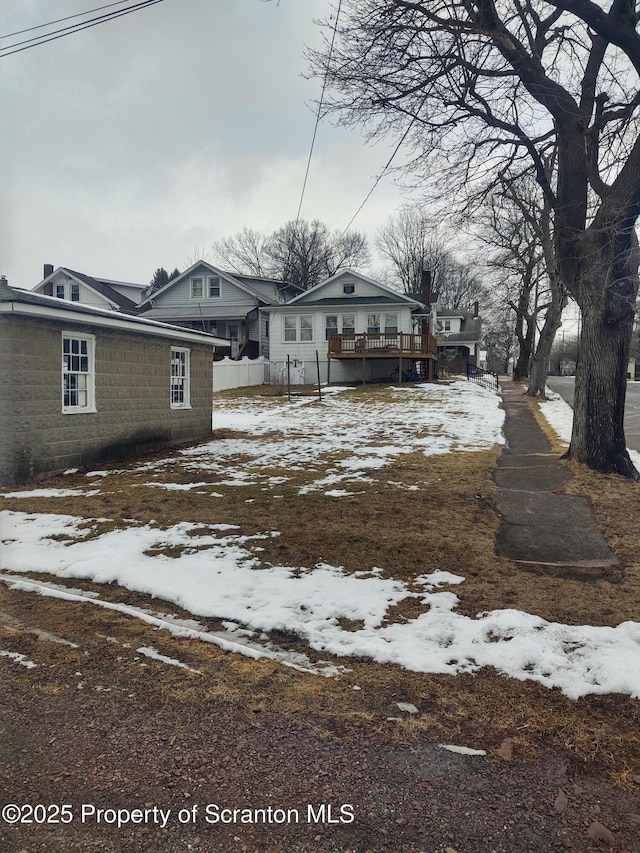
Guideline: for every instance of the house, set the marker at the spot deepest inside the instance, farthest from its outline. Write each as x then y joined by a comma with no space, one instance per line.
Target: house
459,333
360,329
65,283
81,384
223,303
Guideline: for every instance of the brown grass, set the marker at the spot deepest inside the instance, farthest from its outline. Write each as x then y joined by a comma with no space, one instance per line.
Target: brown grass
449,523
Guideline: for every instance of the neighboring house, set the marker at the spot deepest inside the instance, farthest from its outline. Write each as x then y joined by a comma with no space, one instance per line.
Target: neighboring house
64,283
82,384
459,333
223,303
360,329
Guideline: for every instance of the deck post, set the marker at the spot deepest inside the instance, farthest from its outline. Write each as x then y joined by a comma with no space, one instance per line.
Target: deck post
400,370
328,369
364,370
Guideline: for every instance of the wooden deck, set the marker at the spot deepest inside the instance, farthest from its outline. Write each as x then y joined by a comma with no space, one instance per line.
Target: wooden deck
389,345
383,345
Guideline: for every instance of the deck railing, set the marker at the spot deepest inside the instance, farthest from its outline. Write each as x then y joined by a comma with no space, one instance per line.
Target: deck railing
383,344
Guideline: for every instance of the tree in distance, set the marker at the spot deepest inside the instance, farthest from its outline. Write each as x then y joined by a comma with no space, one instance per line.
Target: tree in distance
300,252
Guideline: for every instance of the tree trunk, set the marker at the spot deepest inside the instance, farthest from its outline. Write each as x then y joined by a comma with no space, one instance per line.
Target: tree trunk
542,354
598,438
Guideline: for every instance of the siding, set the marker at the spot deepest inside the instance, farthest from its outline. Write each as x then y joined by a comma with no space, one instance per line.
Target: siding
179,295
132,398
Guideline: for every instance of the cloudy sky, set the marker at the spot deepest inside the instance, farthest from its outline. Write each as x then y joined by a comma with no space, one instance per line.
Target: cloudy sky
135,144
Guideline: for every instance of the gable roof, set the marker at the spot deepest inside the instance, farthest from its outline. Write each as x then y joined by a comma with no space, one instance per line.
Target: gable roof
264,290
13,300
102,286
389,295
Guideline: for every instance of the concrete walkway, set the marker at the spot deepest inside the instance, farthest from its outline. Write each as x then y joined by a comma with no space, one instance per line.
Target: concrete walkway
552,533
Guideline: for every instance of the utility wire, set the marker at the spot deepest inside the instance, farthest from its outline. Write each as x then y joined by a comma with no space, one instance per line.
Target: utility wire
384,171
315,129
36,41
60,20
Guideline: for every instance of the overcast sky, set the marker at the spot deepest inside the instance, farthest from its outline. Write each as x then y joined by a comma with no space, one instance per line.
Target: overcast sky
135,144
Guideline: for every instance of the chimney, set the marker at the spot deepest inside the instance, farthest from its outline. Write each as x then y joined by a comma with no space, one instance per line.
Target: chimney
48,269
425,287
3,279
476,307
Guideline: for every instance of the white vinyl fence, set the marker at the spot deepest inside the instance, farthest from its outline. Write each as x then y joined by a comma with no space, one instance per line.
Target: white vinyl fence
238,374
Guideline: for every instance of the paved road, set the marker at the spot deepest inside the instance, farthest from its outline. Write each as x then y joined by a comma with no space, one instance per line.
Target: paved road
564,385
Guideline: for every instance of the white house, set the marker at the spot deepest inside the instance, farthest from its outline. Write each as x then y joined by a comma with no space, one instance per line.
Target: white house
360,329
73,286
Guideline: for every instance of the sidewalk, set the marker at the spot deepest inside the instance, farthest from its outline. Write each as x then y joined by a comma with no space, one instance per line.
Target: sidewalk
551,532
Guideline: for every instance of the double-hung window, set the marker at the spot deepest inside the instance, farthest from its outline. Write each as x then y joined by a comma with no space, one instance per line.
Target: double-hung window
373,324
180,378
197,287
78,373
215,288
348,324
298,328
331,325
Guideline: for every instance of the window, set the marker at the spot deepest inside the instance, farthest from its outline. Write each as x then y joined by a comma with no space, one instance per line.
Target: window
373,324
290,327
298,328
78,373
348,324
75,293
391,323
348,288
233,331
214,286
60,291
306,328
331,325
197,288
446,325
180,389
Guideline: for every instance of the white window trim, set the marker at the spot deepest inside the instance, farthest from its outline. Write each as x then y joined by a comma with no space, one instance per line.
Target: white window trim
211,278
298,330
197,278
90,408
186,387
349,284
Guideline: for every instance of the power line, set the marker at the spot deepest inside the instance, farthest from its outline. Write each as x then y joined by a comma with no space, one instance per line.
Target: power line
60,20
315,129
36,41
384,171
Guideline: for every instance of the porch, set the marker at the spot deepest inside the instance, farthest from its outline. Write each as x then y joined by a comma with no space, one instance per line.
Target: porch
418,348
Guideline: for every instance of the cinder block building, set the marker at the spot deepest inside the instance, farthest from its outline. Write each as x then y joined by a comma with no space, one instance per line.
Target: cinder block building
80,384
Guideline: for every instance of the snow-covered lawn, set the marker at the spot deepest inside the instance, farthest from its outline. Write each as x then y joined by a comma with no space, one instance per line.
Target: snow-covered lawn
215,572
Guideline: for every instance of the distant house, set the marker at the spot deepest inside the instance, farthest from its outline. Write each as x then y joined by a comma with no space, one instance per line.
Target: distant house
361,329
459,333
223,303
65,283
81,384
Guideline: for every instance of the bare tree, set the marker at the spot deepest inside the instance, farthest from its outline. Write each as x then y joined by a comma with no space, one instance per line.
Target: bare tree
477,88
410,242
243,252
300,252
518,227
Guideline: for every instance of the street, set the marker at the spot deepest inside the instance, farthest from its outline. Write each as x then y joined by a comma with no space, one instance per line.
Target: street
564,385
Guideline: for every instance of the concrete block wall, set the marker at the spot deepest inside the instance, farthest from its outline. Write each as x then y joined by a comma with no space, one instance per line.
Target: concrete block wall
132,376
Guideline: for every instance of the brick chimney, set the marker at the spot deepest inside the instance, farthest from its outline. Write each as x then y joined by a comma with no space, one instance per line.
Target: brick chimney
425,288
48,269
476,307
